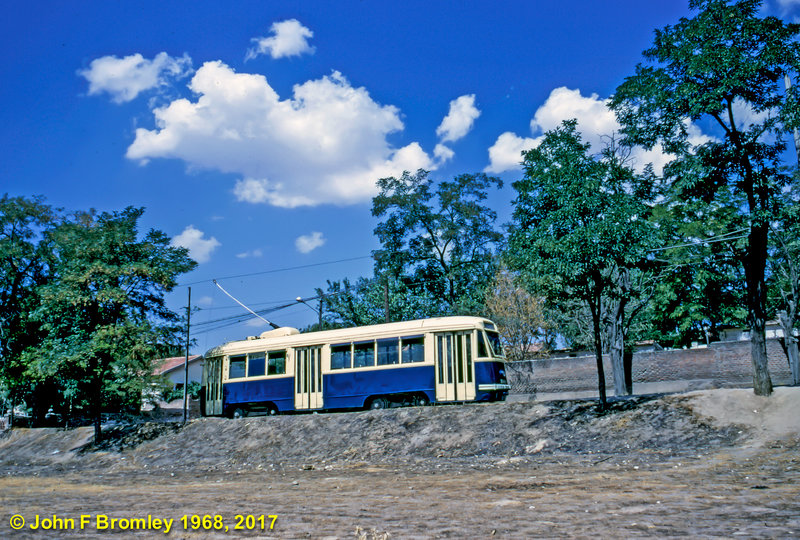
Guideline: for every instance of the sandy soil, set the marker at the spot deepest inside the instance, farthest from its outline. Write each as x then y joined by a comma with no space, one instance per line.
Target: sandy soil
719,463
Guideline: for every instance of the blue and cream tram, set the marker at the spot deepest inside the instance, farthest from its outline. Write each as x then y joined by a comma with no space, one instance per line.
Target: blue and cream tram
439,360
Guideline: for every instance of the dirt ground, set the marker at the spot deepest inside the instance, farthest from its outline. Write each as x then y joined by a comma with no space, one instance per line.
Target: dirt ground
717,463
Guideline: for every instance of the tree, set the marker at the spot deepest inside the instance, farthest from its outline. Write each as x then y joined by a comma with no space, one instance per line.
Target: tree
103,312
785,266
724,66
437,241
23,268
518,314
577,233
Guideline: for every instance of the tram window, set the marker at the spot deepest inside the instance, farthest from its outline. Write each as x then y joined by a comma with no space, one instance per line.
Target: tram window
277,363
413,349
483,352
341,356
255,364
364,354
494,339
237,367
387,351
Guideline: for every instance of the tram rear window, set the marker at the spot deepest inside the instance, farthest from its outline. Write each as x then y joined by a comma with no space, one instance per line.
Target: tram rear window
237,367
341,356
413,349
255,364
277,363
494,339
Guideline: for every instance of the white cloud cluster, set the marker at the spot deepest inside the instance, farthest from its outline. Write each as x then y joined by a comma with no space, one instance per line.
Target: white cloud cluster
596,122
289,38
326,144
309,242
125,78
256,253
455,126
194,240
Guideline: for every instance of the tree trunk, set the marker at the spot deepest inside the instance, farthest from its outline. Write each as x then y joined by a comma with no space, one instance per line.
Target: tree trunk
790,344
616,335
755,266
594,306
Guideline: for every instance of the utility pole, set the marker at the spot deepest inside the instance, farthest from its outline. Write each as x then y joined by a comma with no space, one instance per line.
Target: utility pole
186,360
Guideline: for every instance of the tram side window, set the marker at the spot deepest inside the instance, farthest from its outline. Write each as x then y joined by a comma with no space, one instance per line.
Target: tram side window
277,363
255,364
494,339
387,351
237,367
341,356
413,349
483,352
364,354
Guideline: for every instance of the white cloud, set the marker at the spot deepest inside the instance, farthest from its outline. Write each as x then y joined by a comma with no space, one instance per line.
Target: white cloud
309,242
506,153
256,253
289,38
200,248
442,153
125,78
596,122
459,119
326,144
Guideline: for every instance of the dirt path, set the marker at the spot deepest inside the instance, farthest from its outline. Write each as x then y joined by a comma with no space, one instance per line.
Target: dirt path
650,483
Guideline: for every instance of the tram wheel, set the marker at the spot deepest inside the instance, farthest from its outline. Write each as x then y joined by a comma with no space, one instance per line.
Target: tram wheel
421,401
239,412
379,403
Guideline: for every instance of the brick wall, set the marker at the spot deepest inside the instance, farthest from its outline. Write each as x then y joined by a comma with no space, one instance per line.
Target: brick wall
721,364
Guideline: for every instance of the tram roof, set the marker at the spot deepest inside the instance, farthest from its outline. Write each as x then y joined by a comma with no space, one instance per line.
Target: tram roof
291,337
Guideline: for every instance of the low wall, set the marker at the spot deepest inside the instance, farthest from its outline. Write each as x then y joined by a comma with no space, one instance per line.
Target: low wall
721,364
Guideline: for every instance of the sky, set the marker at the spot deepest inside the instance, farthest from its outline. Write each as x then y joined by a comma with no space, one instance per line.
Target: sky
253,132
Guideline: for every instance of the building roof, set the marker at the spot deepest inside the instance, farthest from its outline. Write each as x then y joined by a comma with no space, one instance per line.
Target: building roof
168,365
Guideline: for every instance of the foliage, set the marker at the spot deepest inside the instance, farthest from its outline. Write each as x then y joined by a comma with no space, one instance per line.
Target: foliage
518,315
437,241
724,67
176,392
577,229
95,315
23,268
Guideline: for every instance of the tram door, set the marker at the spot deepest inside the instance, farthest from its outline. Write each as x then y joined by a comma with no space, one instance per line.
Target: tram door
455,380
308,378
213,386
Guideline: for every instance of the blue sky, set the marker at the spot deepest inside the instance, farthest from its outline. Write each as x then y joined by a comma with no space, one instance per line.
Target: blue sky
253,132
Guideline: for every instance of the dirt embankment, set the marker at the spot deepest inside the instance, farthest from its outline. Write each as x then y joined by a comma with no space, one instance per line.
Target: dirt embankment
480,434
718,463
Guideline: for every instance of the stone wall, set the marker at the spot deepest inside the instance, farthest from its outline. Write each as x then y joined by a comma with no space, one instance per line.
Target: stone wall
720,364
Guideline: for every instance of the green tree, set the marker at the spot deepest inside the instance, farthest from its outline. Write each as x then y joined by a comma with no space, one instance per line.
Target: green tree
437,240
103,311
725,67
23,268
578,231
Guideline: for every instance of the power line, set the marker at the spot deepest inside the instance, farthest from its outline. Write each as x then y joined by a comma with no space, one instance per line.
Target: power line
724,238
276,270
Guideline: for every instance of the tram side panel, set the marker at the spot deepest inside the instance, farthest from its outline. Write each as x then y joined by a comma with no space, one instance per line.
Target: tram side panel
352,389
491,382
278,391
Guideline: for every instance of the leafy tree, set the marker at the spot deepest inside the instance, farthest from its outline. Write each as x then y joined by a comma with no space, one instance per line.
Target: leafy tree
698,290
785,266
724,66
103,311
437,241
518,314
578,233
366,302
23,268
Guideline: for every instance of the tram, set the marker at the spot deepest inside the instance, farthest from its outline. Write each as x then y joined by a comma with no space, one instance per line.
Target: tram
436,360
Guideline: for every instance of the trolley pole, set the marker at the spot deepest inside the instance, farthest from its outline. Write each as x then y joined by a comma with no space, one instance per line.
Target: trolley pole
186,360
